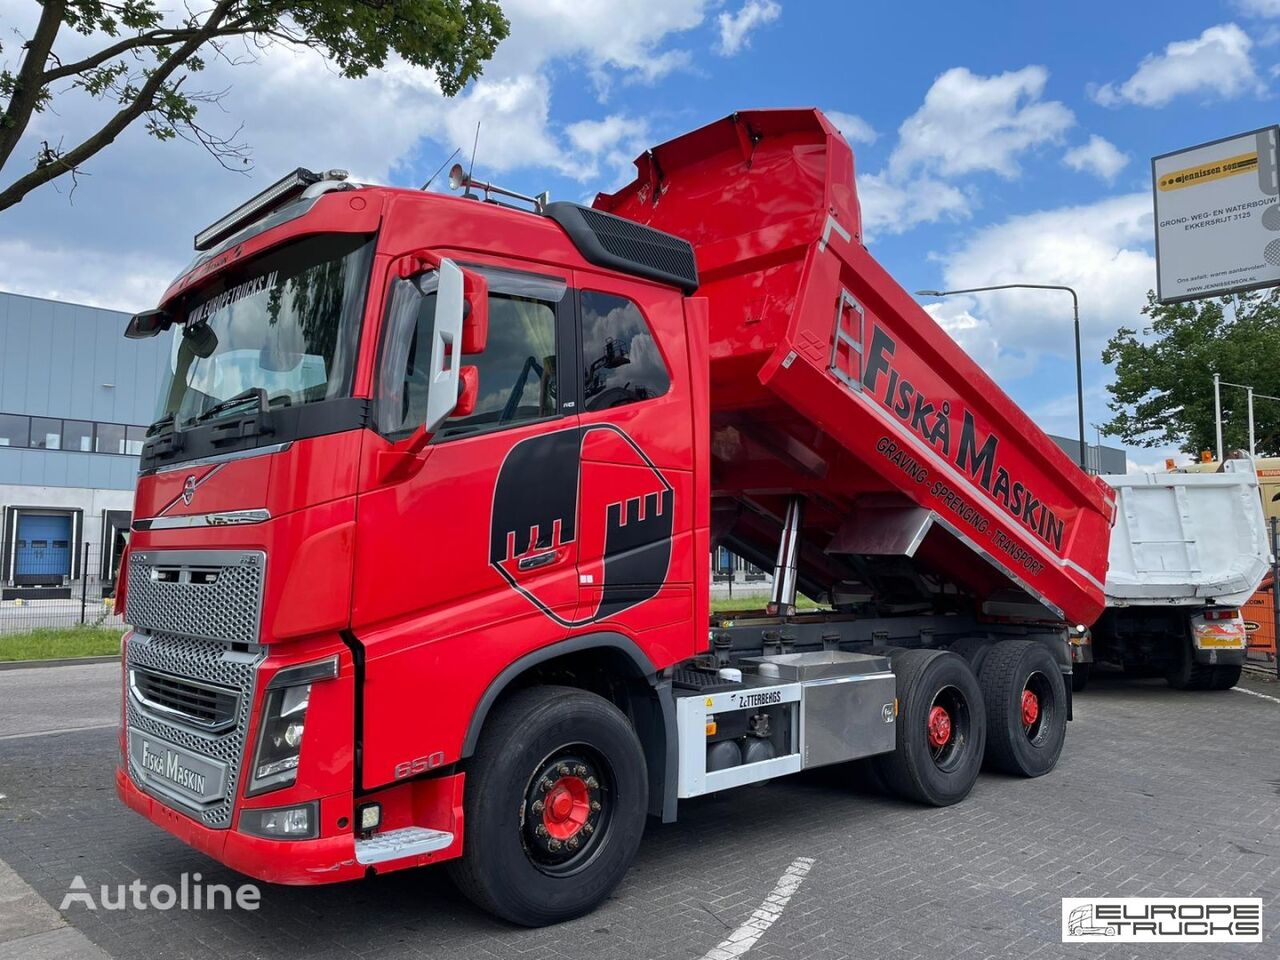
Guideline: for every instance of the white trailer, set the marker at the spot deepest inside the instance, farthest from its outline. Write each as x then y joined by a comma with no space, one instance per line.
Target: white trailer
1187,550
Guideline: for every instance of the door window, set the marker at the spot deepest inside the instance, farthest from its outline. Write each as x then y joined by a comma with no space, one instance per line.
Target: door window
517,372
620,359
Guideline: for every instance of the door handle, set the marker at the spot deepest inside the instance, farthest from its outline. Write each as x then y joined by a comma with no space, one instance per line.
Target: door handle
536,561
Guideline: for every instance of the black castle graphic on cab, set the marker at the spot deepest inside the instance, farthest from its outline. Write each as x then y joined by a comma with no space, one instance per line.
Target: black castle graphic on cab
590,486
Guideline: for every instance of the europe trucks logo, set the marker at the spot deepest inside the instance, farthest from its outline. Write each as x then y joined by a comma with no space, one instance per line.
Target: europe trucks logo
976,454
592,487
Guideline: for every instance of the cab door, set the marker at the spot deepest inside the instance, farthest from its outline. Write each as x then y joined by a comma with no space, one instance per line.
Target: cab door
636,554
466,551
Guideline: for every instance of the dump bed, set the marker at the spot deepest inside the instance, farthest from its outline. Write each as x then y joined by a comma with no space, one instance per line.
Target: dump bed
829,381
1187,538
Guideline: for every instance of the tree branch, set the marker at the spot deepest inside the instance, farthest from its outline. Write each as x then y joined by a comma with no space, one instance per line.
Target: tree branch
27,86
141,103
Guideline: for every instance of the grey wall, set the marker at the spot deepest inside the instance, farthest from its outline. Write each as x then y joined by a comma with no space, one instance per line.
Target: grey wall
54,361
1100,458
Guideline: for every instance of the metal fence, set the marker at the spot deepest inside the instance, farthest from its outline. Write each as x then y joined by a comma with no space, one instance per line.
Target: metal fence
51,584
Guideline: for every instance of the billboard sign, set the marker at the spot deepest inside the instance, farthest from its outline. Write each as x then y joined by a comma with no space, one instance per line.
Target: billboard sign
1217,212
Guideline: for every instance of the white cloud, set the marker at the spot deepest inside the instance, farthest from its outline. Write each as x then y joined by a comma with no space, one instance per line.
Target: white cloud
892,207
612,143
974,124
77,274
1218,63
968,124
1099,156
854,128
138,202
979,338
1259,8
736,28
1100,249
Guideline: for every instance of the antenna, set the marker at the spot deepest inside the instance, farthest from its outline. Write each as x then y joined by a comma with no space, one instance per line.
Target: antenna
472,168
439,168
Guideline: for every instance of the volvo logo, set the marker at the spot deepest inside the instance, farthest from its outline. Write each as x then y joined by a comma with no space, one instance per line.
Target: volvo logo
189,490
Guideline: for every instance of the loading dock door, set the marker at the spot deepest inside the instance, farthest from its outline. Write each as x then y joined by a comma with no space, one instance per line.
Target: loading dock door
43,554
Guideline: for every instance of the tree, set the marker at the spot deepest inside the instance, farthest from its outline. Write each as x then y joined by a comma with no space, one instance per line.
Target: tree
1163,389
144,57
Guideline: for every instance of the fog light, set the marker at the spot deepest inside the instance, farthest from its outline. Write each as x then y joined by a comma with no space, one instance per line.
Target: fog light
369,817
281,823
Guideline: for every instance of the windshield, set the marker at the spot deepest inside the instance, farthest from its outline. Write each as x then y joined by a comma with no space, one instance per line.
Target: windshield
282,329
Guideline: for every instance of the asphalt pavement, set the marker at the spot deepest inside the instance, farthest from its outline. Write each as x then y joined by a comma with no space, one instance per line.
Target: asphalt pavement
1159,793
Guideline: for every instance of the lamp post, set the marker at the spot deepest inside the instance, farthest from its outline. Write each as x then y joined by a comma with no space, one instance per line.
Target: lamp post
1075,308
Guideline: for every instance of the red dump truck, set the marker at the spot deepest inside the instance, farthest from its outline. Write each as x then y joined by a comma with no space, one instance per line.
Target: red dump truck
419,569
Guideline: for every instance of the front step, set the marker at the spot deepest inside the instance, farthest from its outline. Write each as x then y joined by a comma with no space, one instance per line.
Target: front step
397,844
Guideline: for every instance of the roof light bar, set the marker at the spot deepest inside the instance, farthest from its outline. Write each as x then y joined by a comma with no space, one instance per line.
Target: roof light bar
276,195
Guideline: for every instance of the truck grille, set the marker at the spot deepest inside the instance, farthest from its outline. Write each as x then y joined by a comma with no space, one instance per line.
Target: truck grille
199,704
193,661
209,594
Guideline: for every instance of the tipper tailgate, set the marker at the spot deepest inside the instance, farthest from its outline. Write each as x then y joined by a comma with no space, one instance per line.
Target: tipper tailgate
819,356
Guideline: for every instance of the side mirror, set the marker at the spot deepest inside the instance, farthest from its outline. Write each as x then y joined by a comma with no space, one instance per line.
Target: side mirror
202,339
468,391
475,328
148,323
446,346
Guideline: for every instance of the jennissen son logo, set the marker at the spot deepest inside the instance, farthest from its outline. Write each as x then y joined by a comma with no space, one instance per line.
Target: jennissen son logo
1162,919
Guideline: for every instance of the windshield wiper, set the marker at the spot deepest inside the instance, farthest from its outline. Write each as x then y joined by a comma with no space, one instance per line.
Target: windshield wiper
166,421
253,393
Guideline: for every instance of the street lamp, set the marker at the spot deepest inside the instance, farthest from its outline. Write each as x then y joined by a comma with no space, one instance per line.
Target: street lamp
1075,308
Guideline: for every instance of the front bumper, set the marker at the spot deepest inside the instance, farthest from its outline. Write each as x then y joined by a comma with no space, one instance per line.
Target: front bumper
295,862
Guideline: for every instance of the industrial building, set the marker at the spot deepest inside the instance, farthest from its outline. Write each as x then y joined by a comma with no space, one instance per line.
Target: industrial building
75,402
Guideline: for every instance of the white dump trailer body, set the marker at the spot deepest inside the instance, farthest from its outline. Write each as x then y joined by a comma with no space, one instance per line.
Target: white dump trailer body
1187,538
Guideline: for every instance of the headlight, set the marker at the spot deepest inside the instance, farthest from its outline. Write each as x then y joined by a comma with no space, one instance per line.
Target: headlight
275,763
280,732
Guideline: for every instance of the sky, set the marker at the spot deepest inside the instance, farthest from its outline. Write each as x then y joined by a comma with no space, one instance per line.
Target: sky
994,143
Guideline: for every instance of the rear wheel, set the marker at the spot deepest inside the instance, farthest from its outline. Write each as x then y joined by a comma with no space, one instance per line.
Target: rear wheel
1026,701
1080,674
555,804
1225,677
1186,674
941,729
973,649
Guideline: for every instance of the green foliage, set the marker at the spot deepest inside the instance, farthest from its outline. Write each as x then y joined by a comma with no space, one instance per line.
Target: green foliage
1163,389
147,51
57,643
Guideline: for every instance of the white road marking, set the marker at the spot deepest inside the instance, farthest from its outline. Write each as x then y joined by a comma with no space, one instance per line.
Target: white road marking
746,936
50,733
1254,693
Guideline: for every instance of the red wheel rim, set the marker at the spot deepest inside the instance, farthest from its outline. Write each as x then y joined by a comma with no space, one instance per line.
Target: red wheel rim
1030,708
939,726
566,808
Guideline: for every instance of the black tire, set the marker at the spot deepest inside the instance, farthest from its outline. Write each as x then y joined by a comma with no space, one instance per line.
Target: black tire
1080,674
938,775
508,866
1014,744
1225,676
973,649
1186,674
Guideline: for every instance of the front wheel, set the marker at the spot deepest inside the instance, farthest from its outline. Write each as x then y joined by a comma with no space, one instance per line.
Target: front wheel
1026,708
555,805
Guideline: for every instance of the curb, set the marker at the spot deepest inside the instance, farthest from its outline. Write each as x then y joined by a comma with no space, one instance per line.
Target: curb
61,662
